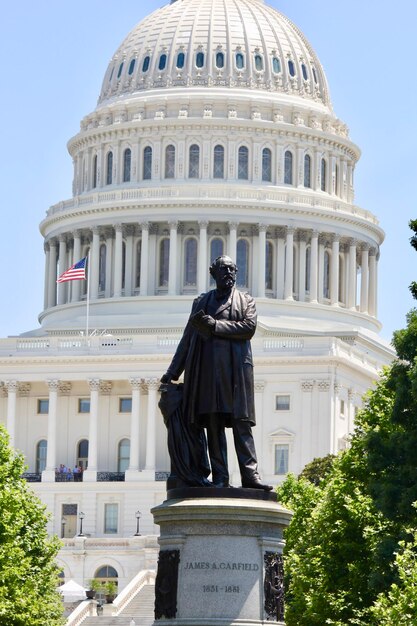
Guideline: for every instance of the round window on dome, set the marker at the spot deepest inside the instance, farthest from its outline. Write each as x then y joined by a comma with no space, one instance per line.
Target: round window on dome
162,62
131,66
146,63
240,61
199,59
291,68
119,73
259,63
219,60
304,71
276,65
180,60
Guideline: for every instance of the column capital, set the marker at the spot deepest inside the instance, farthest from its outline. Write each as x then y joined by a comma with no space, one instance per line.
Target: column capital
46,246
129,230
136,383
173,224
118,228
372,251
302,235
323,239
365,247
77,233
232,225
95,230
307,385
62,238
337,387
53,384
152,383
262,228
203,224
11,385
153,228
53,242
323,385
144,226
290,230
280,232
335,238
94,384
352,243
315,233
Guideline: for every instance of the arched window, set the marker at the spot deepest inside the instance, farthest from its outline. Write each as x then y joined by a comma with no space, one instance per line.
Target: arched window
123,456
266,165
102,268
170,161
190,262
240,61
308,269
242,262
162,62
131,67
323,175
276,65
180,60
94,171
41,450
304,71
147,163
127,161
82,453
218,162
106,573
291,68
219,60
288,167
259,63
146,63
269,265
307,171
119,73
199,59
138,262
163,262
109,168
243,163
194,162
326,276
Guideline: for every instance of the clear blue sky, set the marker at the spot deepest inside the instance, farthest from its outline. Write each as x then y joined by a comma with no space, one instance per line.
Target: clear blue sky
54,58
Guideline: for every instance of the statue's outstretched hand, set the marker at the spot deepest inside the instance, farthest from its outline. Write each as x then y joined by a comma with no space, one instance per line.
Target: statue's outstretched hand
166,378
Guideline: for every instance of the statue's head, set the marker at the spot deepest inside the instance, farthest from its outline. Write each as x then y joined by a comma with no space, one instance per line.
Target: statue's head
224,271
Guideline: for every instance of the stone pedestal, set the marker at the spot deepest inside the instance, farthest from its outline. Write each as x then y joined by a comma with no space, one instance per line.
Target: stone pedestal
220,560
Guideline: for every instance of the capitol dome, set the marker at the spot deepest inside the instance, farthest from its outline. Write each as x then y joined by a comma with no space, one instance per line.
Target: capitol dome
193,43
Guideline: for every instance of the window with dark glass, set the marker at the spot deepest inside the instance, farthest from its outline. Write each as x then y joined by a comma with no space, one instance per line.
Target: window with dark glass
242,262
83,405
219,60
291,68
194,162
119,73
123,457
138,262
102,268
82,454
123,264
199,59
146,63
276,65
127,161
288,159
131,66
111,514
162,62
218,163
323,175
326,277
180,60
304,71
243,163
269,265
147,163
190,266
308,269
307,171
43,406
109,168
170,161
163,263
259,62
266,165
125,405
240,61
41,452
282,403
94,171
281,458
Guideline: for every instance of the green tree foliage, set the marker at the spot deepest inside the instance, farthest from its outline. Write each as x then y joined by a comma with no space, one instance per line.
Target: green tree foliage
318,469
28,574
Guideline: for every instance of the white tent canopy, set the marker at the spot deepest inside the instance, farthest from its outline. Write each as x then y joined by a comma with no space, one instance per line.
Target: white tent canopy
72,591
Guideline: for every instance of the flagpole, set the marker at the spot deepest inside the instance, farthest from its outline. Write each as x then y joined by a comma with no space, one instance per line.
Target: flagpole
88,297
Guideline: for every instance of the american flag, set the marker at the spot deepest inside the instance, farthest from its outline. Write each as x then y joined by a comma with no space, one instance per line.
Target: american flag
75,272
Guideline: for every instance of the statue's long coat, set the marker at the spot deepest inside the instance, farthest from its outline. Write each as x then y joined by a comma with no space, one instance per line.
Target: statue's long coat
231,349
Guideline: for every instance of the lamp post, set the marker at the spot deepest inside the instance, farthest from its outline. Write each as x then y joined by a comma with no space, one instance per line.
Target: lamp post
138,515
81,515
63,522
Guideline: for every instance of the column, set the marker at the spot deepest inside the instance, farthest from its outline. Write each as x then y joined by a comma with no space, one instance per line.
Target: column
302,242
52,273
232,248
322,245
334,272
202,258
108,234
173,240
280,232
12,388
118,265
62,287
132,473
150,461
46,277
289,264
90,474
144,259
364,304
129,233
372,282
95,263
76,284
352,275
48,475
314,258
262,228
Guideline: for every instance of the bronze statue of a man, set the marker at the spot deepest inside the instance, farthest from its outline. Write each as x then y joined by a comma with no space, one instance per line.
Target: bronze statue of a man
216,358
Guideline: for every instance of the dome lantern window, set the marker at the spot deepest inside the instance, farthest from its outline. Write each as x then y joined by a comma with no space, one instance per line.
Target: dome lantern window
180,60
119,73
146,63
259,63
291,67
219,60
162,62
240,61
131,67
199,59
304,71
276,65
